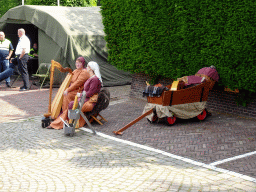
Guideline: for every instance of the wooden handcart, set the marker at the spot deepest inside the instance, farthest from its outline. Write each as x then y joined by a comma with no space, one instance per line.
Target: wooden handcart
175,95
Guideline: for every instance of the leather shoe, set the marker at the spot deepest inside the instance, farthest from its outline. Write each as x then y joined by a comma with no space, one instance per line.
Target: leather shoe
23,89
8,85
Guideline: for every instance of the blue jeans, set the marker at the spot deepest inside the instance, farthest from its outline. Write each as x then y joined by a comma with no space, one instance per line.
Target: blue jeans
5,65
7,73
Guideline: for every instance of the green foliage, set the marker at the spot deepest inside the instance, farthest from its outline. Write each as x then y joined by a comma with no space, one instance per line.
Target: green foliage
8,4
68,3
245,97
177,38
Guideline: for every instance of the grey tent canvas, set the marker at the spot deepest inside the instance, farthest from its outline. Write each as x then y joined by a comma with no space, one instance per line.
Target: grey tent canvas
63,34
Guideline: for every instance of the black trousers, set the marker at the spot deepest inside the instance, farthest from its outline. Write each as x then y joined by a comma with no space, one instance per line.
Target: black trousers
23,68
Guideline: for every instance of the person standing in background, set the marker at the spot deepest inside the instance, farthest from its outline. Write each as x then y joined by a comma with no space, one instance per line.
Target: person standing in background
33,51
6,50
33,60
21,52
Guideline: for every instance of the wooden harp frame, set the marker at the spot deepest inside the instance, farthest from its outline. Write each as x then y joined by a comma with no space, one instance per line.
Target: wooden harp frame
55,106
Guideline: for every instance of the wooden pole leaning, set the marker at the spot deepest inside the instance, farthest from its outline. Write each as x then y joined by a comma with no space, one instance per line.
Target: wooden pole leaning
119,132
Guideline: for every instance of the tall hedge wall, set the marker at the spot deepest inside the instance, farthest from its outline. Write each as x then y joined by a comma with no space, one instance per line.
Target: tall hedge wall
176,38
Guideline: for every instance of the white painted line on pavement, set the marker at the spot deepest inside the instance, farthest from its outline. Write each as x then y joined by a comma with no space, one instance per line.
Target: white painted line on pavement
233,158
87,130
208,166
118,101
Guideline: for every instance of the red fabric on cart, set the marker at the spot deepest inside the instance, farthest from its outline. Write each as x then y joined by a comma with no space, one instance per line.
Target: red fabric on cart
210,72
193,80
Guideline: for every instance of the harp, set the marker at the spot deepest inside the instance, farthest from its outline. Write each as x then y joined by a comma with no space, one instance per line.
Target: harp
55,106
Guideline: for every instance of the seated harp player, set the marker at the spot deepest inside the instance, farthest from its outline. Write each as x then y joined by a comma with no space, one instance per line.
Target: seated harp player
73,82
92,87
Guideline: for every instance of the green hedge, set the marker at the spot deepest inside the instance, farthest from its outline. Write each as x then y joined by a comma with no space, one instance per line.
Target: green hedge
177,38
68,3
7,4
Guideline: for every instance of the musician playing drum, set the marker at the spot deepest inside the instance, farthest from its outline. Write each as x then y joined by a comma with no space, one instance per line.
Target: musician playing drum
92,87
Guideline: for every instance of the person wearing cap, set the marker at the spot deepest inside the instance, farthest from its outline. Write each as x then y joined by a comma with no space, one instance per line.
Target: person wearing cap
92,87
6,50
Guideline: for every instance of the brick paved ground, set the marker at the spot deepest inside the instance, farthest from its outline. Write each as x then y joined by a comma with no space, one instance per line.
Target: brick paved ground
36,159
219,137
19,105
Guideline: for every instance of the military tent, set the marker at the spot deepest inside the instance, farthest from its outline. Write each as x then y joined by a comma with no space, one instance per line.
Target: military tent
63,34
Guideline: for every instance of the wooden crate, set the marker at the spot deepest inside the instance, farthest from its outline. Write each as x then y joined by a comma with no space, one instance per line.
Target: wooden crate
197,93
164,99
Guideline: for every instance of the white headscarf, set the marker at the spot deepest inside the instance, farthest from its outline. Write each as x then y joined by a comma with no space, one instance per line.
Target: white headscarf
95,67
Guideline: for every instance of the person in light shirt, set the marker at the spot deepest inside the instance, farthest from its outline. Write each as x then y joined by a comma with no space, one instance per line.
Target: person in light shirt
21,52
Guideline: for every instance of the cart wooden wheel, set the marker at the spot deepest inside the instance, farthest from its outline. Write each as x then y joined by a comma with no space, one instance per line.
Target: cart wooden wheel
170,120
202,116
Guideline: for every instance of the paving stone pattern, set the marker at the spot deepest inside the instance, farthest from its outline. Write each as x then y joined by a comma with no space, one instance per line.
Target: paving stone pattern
243,165
19,105
36,159
219,137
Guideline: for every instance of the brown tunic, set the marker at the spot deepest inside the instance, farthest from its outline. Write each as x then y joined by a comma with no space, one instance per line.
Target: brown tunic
79,77
77,82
